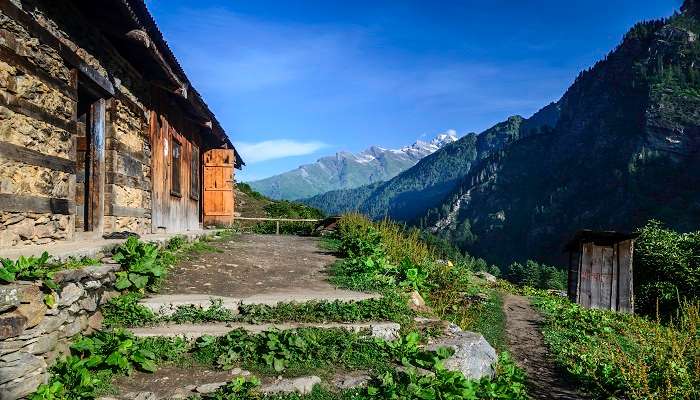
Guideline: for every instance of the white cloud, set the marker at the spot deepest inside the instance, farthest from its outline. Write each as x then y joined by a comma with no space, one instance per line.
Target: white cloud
275,149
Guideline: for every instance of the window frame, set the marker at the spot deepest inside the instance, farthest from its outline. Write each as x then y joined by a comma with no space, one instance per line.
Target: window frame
195,184
173,143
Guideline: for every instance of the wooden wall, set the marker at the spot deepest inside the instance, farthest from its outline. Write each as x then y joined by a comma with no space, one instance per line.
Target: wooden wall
171,212
603,276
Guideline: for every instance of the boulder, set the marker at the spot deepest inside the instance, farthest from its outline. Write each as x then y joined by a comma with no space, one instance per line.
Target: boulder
473,355
486,276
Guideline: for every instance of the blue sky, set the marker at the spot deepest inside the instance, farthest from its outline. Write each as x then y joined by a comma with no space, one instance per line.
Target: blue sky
294,80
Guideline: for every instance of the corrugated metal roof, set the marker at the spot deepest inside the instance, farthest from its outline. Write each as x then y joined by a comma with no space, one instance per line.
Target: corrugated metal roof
143,18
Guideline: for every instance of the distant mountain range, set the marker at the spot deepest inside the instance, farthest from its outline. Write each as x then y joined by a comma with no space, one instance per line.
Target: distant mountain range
346,170
622,146
411,193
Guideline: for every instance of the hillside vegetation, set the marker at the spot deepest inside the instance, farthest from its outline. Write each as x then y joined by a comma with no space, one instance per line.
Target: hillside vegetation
252,204
624,151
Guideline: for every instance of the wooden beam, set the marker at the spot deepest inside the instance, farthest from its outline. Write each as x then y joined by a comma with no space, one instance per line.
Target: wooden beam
22,154
31,110
46,37
119,211
35,204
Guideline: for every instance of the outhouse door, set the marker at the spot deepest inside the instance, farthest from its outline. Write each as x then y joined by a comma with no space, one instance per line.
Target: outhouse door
218,204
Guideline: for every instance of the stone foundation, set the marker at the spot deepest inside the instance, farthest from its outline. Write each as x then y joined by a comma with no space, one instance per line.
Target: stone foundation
33,336
18,228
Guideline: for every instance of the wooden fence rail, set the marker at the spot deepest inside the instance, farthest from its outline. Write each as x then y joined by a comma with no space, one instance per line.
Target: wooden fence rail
277,220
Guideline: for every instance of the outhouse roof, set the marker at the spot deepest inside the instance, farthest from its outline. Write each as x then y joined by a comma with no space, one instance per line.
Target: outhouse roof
603,238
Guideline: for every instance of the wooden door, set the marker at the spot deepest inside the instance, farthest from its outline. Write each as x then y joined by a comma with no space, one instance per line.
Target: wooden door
218,196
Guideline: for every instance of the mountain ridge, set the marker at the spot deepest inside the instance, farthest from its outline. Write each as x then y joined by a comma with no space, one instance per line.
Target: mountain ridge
345,170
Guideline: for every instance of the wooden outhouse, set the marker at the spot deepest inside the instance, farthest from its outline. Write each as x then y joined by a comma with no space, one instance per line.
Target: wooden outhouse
100,127
600,270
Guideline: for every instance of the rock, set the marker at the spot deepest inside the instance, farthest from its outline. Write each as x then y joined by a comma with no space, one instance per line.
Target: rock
88,303
9,297
352,380
95,321
30,294
74,327
108,295
181,394
209,387
473,355
486,276
302,385
19,364
70,275
417,300
70,294
20,388
11,324
43,344
100,271
141,396
34,312
48,324
386,331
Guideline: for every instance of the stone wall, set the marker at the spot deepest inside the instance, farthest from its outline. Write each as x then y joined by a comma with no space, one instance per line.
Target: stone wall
38,102
32,335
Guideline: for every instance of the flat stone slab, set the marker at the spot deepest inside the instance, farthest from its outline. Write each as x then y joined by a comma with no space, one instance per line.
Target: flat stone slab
86,246
383,330
167,304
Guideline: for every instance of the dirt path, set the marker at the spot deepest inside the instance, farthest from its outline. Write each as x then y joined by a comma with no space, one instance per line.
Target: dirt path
259,266
529,351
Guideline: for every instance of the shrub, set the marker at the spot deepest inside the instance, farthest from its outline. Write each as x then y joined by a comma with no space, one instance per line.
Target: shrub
666,269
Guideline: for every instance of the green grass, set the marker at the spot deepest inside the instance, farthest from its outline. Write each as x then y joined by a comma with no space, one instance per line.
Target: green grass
618,355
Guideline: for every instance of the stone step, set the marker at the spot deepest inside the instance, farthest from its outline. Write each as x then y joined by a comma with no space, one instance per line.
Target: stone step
167,304
269,386
383,330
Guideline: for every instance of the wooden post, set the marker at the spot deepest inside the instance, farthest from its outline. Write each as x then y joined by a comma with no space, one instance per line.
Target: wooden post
97,166
278,227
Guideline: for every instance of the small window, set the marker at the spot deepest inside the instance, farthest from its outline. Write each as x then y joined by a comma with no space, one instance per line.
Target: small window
175,188
194,173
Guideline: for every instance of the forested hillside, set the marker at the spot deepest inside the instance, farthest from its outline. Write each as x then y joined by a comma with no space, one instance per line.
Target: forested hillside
624,150
424,185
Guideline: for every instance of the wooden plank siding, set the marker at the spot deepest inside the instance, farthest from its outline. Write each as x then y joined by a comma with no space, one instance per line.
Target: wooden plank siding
172,212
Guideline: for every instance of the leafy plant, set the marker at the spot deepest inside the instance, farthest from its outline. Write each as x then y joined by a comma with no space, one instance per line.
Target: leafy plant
117,351
141,264
125,310
28,268
72,378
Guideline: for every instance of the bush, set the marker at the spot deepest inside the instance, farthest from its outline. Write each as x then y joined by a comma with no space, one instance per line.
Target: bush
666,269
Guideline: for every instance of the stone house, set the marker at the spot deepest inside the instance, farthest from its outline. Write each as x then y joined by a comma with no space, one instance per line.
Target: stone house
100,128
